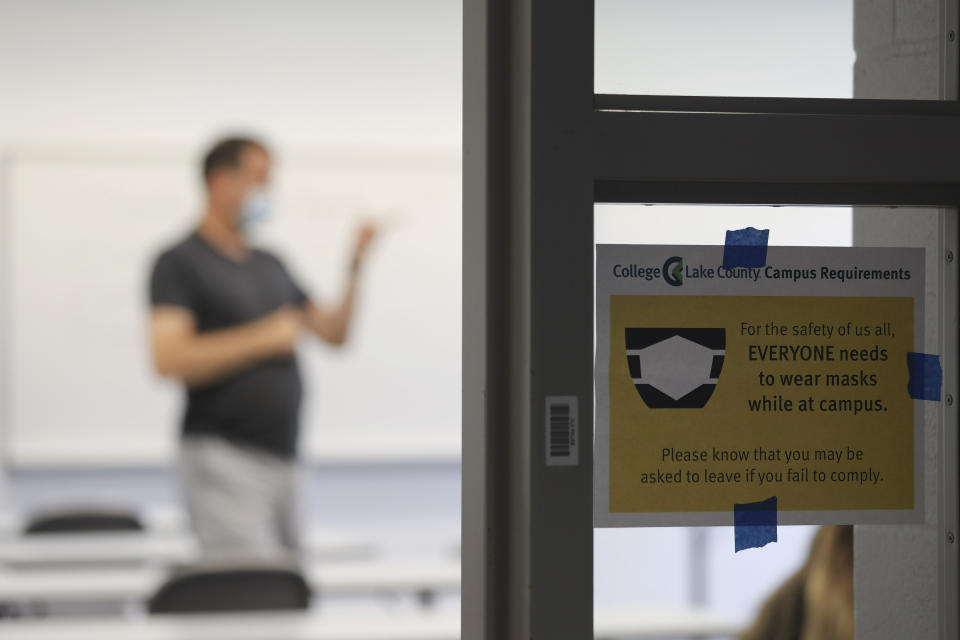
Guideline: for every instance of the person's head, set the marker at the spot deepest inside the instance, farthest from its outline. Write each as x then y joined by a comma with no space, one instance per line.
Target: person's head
236,171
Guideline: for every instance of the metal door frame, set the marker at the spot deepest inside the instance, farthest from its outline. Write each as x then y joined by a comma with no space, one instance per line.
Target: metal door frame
539,149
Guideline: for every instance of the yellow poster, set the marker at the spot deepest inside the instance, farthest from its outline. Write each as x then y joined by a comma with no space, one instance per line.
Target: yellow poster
732,395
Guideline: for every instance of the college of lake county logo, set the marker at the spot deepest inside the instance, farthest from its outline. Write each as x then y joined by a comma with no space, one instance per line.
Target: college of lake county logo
673,271
675,368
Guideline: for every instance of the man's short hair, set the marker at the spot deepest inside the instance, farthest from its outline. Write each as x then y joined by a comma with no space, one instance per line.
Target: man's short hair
226,153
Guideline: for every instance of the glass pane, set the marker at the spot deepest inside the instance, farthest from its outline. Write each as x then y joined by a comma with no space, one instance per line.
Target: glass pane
790,48
774,48
692,572
692,575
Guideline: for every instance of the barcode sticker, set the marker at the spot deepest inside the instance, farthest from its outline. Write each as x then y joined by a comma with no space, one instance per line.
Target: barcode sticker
562,436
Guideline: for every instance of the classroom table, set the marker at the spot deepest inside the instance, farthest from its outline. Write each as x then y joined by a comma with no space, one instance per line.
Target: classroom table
633,623
132,585
79,549
111,549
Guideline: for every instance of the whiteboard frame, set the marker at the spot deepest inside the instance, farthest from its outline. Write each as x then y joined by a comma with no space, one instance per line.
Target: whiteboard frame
429,447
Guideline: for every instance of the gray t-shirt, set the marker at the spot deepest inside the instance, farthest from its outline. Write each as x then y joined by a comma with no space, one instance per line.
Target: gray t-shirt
259,405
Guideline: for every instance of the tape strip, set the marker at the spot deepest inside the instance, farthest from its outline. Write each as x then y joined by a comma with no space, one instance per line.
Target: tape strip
754,524
926,376
745,248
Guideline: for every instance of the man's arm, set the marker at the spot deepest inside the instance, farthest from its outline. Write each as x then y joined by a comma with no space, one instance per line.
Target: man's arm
332,324
180,351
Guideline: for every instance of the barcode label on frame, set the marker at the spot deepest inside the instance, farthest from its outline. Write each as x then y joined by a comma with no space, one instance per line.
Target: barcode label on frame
562,435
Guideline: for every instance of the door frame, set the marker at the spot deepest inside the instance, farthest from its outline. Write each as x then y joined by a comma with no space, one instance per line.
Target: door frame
539,150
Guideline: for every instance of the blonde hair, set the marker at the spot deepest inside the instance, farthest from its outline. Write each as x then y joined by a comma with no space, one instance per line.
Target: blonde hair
816,602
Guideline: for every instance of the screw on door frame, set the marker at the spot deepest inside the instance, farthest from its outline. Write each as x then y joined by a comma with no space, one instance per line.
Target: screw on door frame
949,256
949,400
951,35
950,537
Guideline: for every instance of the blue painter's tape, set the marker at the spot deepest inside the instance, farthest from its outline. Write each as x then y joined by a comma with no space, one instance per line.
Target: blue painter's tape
754,524
926,376
746,248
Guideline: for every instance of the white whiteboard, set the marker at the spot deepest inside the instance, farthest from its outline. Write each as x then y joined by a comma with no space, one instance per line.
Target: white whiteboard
84,233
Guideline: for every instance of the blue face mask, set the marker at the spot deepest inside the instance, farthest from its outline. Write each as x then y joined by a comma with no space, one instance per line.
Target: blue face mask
256,208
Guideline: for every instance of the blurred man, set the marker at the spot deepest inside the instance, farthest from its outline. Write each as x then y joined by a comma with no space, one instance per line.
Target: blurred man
225,322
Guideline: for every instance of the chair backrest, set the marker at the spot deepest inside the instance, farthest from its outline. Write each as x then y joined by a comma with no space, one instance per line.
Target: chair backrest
86,520
231,589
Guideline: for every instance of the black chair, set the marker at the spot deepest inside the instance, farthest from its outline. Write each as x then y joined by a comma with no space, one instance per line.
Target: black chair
83,520
238,588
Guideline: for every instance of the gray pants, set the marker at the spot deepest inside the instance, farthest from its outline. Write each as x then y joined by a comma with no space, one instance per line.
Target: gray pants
241,500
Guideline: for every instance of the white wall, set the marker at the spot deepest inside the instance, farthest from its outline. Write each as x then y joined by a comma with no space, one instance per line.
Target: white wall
305,72
108,105
897,568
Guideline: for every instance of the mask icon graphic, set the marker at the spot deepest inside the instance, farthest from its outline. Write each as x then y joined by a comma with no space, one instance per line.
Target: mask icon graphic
675,368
